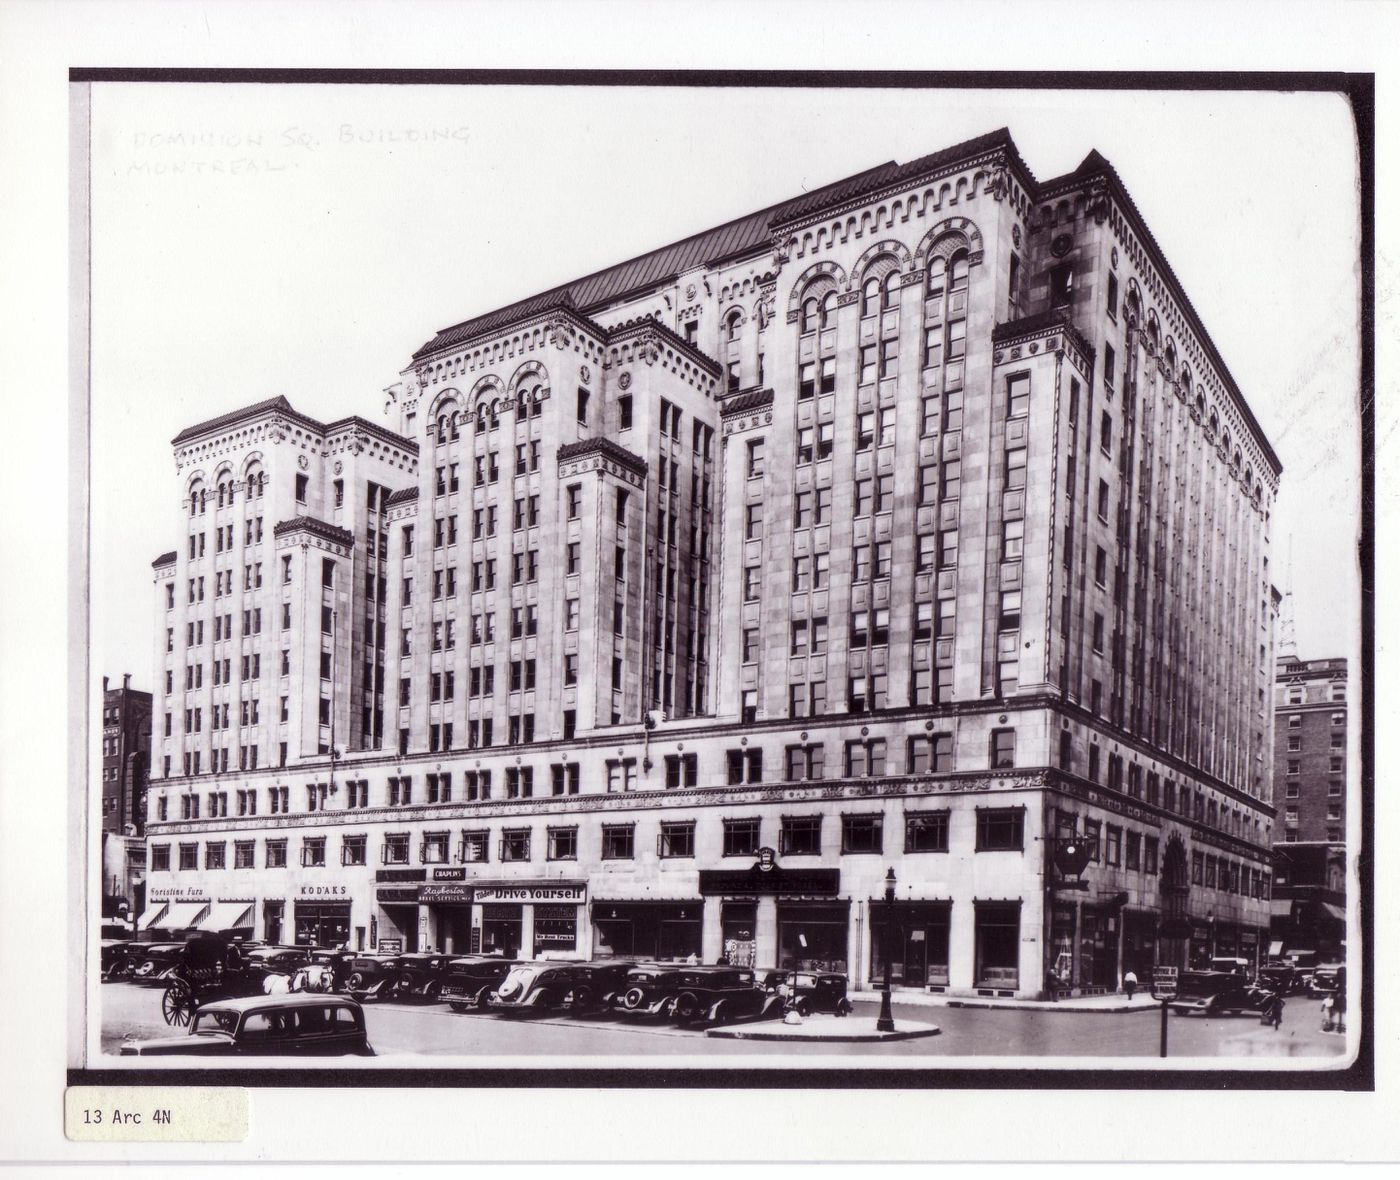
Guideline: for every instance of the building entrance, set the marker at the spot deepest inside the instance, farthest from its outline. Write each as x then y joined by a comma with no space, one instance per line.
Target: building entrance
920,942
502,929
322,923
998,945
738,933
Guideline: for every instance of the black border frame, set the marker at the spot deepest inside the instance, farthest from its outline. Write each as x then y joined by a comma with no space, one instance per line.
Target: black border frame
1359,91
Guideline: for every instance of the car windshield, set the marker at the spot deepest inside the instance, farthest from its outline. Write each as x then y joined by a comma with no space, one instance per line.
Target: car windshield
206,1023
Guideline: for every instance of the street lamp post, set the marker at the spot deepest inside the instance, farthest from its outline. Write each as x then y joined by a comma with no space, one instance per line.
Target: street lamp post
885,1023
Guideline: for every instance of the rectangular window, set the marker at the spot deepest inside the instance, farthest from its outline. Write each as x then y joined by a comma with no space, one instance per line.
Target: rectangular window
741,837
1018,395
1003,749
562,844
1000,829
800,835
676,840
313,851
515,844
862,833
618,841
926,831
1113,846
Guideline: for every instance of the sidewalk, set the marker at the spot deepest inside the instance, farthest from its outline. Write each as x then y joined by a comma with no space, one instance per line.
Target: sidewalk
1142,1002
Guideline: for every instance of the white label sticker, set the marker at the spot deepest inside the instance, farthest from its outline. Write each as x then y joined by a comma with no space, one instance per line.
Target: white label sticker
156,1114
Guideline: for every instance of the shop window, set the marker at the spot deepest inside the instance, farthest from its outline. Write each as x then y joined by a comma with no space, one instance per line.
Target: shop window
800,835
926,831
997,937
676,839
476,847
395,849
862,833
741,837
1000,829
618,841
562,844
515,844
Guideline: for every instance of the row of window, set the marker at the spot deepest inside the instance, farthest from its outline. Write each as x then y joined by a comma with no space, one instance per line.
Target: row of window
998,829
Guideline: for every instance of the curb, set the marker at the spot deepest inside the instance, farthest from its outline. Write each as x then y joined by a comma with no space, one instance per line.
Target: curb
777,1034
1038,1007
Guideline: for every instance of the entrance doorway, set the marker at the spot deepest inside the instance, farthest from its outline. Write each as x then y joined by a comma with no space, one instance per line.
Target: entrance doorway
323,923
920,941
738,926
998,939
501,930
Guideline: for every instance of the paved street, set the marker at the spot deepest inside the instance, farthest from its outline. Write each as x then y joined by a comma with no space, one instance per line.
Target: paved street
433,1029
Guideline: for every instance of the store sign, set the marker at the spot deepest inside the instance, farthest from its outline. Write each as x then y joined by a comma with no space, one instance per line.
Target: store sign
461,894
177,893
398,896
324,890
401,875
1164,983
555,891
774,880
391,946
450,874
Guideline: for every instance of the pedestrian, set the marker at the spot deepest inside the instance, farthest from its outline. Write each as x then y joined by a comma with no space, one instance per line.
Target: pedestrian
1327,1014
1130,984
1339,1001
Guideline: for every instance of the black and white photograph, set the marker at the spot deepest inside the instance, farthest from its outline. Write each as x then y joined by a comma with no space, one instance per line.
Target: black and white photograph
828,600
713,581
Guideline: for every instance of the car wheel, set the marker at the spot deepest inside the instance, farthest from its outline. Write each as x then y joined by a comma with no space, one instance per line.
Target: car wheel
843,1008
687,1007
457,1005
804,1007
356,982
632,999
433,992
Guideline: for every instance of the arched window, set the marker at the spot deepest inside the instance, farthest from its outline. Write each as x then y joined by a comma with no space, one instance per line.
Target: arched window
958,272
870,296
731,325
1185,377
1153,332
481,416
890,290
1214,422
196,497
828,314
937,275
1235,462
253,481
811,315
1171,356
1200,403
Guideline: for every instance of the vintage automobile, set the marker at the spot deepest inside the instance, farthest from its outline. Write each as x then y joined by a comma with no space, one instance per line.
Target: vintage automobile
328,969
276,960
594,986
709,995
1325,980
1281,979
806,992
115,958
1220,993
154,961
371,975
533,988
282,1026
469,981
649,990
419,976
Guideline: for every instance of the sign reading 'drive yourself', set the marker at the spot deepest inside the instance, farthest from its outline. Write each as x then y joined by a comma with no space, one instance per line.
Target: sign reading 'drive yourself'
531,892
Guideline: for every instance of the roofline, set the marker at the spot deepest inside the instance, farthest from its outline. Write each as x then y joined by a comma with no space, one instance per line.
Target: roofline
1079,179
356,422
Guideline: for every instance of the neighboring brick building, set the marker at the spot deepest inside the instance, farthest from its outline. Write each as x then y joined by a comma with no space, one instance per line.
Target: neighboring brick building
914,522
1310,777
126,753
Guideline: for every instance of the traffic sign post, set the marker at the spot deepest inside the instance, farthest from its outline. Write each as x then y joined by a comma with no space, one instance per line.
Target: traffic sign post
1164,989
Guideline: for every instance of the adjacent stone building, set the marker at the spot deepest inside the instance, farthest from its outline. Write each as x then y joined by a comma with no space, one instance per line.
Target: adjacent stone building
914,523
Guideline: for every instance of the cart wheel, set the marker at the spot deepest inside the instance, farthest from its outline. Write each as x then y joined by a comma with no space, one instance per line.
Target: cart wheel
177,1004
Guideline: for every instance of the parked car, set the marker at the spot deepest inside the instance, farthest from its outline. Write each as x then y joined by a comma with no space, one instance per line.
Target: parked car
419,976
469,981
275,960
648,990
1231,964
155,961
593,986
115,958
1325,980
805,992
1282,979
708,995
533,987
1219,993
371,975
296,1025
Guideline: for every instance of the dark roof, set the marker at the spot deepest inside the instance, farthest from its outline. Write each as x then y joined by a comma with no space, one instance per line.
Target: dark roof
317,527
650,324
402,496
164,559
1094,164
750,399
281,405
747,234
605,447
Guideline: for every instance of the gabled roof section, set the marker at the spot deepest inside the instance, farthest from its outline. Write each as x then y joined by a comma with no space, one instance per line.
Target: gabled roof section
651,325
355,422
277,404
744,235
163,560
402,496
316,527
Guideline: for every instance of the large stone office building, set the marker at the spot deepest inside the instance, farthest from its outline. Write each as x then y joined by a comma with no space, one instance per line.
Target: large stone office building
914,523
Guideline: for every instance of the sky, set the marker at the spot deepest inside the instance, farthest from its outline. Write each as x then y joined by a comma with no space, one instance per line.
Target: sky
256,240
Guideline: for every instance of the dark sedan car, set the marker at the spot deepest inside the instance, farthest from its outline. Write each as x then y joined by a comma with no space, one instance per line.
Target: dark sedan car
280,1026
533,988
594,986
1220,993
649,990
419,976
115,958
372,975
709,995
275,960
154,962
469,981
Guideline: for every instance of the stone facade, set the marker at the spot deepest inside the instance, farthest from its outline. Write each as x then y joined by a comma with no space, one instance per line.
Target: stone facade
914,523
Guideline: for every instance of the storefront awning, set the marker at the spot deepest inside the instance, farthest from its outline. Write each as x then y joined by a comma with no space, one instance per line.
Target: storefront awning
1275,948
1280,907
150,914
1333,911
228,915
182,915
626,890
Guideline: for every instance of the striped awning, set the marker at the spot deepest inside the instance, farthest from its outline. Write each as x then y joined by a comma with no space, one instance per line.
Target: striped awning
182,915
150,914
228,915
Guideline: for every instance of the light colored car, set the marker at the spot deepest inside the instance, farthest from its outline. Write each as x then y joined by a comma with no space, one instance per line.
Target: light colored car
268,1026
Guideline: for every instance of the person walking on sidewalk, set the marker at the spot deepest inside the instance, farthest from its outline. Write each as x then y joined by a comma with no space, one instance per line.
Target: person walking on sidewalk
1130,983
